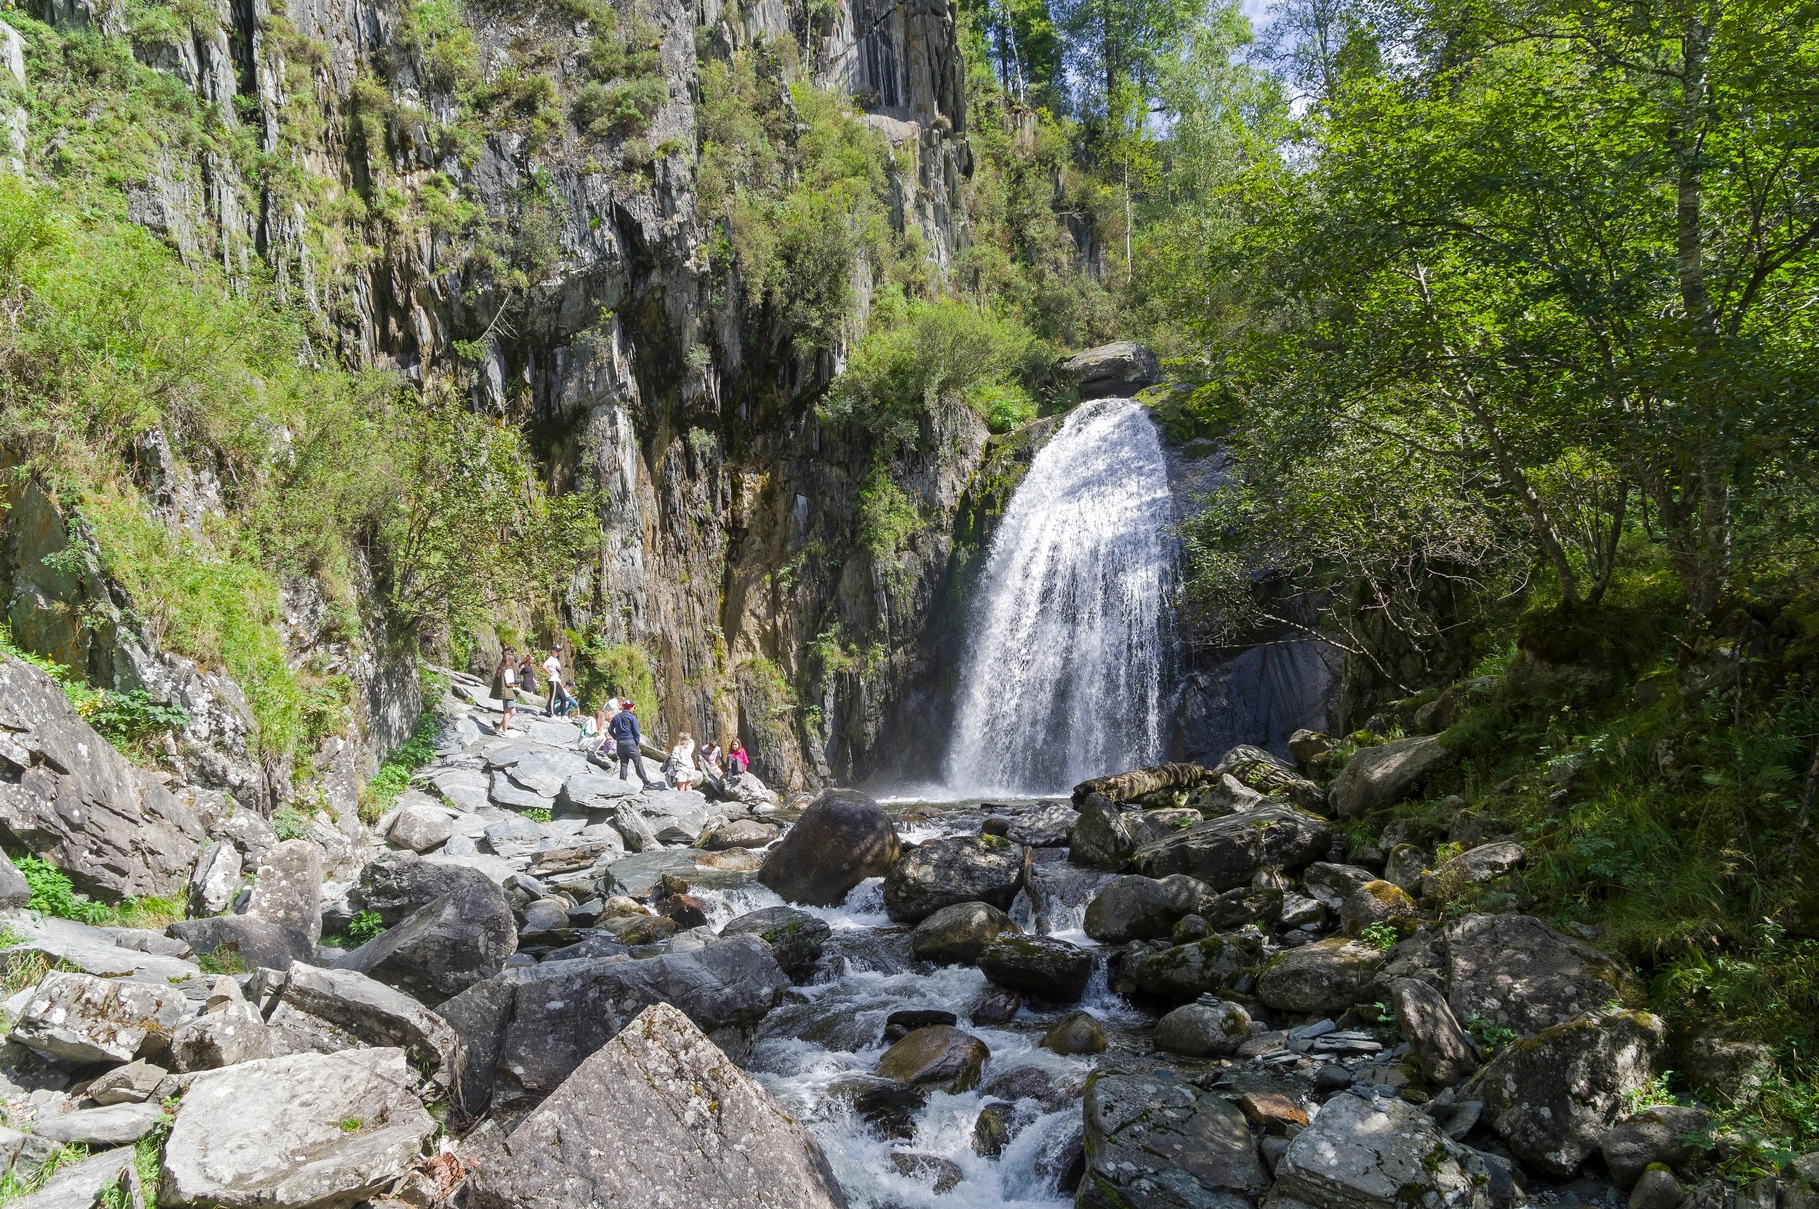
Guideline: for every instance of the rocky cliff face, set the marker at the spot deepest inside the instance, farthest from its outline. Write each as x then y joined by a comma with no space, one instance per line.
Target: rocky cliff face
581,291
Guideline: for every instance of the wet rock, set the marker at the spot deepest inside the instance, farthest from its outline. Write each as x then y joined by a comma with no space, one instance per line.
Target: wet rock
899,1025
843,838
1042,966
1375,903
1191,970
940,1055
960,869
688,910
216,880
1385,774
996,1006
1203,1030
731,860
421,828
795,937
942,1175
890,1109
1438,1044
330,1129
377,1015
1657,1189
992,1130
1331,1078
1100,838
129,1084
1074,1033
1553,1096
1144,908
445,946
1155,1143
1655,1135
68,796
1226,853
1327,976
739,833
637,876
710,1134
1520,973
287,889
957,934
79,1018
1374,1154
563,1011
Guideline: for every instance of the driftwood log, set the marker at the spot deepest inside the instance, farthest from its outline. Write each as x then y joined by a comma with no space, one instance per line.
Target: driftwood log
1128,785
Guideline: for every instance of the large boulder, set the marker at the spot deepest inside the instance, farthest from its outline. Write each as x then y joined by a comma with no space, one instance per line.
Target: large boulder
706,1134
1375,902
958,934
1123,367
843,838
961,869
241,939
80,1018
1666,1133
1261,772
1385,774
421,826
375,1014
216,880
1165,1144
1330,885
564,1010
1197,968
287,889
1100,837
1439,1045
1203,1030
304,1131
1227,853
1372,1153
400,884
1143,908
1473,867
795,937
1042,966
445,947
1046,826
1552,1097
68,796
1515,971
939,1054
1326,976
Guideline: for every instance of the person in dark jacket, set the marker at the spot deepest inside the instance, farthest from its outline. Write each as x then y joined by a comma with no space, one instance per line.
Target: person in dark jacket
624,730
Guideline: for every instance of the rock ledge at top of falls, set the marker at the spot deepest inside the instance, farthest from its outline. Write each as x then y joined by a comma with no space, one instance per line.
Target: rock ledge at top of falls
1120,368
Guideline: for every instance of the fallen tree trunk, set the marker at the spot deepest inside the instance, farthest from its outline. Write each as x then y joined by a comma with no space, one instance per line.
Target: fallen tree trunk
1128,785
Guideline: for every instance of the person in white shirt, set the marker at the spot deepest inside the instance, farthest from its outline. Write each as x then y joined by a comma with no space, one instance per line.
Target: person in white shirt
682,763
552,667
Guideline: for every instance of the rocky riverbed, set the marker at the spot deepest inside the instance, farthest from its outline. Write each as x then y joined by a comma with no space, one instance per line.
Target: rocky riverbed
534,984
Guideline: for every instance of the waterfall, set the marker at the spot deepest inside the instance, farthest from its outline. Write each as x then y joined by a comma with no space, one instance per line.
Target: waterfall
1062,675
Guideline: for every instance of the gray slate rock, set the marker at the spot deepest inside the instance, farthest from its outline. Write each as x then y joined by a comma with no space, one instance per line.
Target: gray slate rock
709,1134
795,937
1200,967
1440,1047
14,892
80,1185
503,791
637,876
1552,1097
421,828
445,946
399,884
1227,853
80,1018
959,869
1330,885
842,838
1134,907
129,1084
1043,966
69,797
295,1151
118,1125
1044,827
465,788
1374,1153
1385,774
1326,976
257,942
216,880
233,1034
1121,368
287,890
377,1015
958,934
1165,1144
1654,1135
1100,837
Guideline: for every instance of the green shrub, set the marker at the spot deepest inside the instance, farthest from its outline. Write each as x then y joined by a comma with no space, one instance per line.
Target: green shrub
394,775
124,719
615,670
887,517
289,823
54,894
365,926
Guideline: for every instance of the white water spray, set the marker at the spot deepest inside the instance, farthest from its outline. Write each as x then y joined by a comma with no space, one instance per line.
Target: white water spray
1062,675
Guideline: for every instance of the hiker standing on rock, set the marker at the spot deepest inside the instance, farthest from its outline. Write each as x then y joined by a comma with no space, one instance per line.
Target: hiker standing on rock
552,671
507,679
624,730
527,678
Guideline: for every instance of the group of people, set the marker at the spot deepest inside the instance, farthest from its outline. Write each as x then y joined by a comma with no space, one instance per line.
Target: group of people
614,723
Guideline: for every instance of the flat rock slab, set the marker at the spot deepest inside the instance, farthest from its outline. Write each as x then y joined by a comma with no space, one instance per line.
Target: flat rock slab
466,788
116,1125
81,1018
706,1134
330,1129
637,876
80,1185
1151,1137
1520,973
506,792
1226,853
1374,1154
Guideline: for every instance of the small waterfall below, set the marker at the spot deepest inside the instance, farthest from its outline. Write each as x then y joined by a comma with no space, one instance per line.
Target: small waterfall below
1062,675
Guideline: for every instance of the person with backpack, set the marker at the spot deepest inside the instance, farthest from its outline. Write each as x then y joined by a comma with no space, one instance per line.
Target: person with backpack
625,733
507,680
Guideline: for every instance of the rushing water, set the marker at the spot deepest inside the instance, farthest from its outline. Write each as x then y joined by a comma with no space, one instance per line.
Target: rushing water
1062,677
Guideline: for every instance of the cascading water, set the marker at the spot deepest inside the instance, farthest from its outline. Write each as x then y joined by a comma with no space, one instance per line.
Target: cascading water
1062,677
